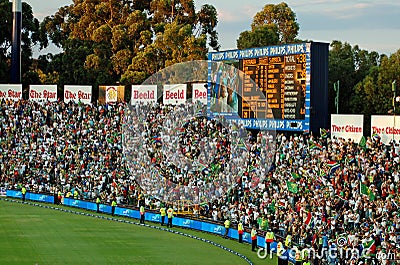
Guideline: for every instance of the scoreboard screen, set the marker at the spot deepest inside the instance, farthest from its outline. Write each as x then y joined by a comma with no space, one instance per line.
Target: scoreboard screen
274,87
282,80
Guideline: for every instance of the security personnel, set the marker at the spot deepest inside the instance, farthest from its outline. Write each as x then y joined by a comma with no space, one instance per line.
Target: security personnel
170,213
253,239
98,203
163,213
240,232
113,204
297,256
306,262
227,224
269,238
76,194
288,241
69,194
280,250
23,192
283,259
142,214
59,196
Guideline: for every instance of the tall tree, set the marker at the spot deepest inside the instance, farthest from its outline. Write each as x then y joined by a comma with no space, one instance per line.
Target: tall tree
348,65
127,41
260,36
280,15
373,94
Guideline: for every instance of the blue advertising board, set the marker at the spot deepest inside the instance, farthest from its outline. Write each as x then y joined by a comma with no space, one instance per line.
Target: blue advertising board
30,196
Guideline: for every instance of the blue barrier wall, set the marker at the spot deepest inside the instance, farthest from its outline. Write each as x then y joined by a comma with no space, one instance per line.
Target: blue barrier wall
153,217
30,196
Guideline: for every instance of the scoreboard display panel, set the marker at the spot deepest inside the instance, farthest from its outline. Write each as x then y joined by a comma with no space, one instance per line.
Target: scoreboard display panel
275,86
282,79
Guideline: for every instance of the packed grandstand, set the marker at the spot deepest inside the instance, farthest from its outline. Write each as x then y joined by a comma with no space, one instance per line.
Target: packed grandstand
316,188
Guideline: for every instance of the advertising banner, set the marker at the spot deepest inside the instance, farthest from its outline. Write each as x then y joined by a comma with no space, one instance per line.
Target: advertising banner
43,93
13,92
127,212
213,228
111,94
143,94
174,94
14,194
39,197
78,93
30,196
91,206
347,126
199,93
385,127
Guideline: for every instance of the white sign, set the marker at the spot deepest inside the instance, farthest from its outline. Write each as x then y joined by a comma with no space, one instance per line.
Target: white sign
111,94
387,127
174,94
199,93
347,126
144,93
13,92
43,92
78,93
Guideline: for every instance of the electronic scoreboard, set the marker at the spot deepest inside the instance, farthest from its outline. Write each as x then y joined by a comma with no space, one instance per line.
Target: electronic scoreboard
275,87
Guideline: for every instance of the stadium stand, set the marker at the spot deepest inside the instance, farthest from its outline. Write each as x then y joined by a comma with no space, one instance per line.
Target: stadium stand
318,190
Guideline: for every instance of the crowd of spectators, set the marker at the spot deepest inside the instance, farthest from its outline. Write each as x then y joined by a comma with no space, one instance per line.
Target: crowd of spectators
195,158
310,190
53,146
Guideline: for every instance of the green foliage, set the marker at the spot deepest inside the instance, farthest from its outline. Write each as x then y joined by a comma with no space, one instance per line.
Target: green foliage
273,25
373,95
129,41
264,35
30,36
280,15
350,65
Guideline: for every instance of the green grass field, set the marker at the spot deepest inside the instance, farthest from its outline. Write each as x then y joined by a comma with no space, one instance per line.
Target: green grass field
35,235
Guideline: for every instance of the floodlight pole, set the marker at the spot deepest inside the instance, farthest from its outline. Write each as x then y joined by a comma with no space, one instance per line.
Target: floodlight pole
336,88
16,42
394,107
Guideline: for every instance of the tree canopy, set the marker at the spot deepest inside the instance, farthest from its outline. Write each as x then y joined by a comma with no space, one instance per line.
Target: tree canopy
127,41
274,24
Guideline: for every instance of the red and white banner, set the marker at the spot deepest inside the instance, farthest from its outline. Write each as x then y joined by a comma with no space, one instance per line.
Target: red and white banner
347,126
111,94
174,94
13,92
386,127
77,93
43,92
144,94
199,93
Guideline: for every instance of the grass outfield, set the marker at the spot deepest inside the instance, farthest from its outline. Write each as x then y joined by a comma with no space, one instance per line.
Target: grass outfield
35,235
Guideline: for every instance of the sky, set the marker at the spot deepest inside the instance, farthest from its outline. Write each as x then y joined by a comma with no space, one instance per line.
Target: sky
372,25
